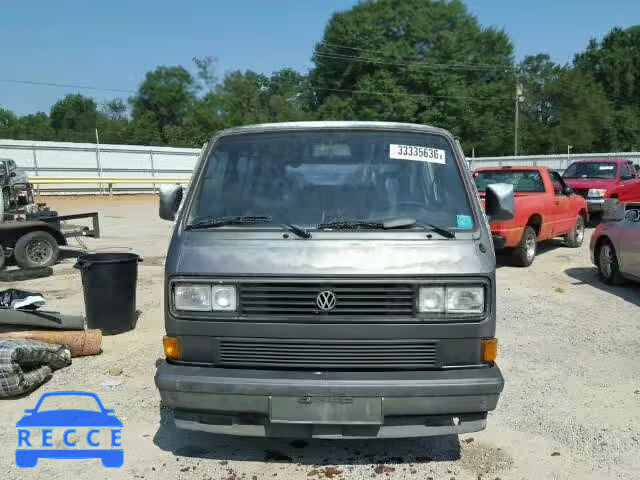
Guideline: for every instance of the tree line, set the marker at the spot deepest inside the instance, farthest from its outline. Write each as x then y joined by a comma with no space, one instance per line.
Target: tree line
420,61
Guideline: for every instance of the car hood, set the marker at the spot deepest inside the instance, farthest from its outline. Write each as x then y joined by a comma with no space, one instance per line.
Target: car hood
69,418
204,253
603,183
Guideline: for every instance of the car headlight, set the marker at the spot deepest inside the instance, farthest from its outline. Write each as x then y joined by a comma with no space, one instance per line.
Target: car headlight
465,299
192,297
431,300
596,193
451,299
223,298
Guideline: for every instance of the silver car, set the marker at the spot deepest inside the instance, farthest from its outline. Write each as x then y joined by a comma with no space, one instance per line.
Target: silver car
615,243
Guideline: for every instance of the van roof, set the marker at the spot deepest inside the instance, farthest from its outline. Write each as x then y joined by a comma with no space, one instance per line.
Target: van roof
329,125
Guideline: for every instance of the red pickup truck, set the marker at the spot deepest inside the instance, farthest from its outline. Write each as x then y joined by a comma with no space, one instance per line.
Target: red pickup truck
602,178
545,207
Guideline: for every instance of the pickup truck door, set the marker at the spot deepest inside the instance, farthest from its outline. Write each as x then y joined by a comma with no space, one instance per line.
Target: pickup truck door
630,243
629,188
562,217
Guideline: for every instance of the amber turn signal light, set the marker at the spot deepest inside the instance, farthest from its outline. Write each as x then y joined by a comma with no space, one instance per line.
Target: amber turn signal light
489,349
171,348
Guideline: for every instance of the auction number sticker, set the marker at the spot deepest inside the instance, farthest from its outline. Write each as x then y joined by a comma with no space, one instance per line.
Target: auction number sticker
416,153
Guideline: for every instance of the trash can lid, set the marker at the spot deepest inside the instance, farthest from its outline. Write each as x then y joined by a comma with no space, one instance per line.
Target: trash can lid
108,257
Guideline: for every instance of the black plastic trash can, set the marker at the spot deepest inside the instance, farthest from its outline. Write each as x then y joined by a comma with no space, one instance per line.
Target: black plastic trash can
109,284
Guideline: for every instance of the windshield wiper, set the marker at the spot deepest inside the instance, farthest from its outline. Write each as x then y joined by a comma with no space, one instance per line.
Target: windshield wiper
385,225
442,231
212,222
301,232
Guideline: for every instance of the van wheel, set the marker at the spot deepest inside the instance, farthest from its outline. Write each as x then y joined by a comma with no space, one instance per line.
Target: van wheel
608,267
525,253
36,249
575,238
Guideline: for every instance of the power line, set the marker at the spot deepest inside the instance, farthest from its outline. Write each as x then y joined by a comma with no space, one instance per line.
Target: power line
65,85
409,94
463,65
421,65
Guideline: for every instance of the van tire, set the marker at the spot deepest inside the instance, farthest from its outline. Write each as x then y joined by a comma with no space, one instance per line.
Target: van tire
525,253
36,249
575,237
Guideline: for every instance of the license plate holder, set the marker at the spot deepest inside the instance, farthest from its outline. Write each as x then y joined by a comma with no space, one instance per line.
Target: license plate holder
334,410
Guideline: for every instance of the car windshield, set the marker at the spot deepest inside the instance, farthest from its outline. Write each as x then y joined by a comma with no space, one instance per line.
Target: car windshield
309,178
591,170
522,180
69,402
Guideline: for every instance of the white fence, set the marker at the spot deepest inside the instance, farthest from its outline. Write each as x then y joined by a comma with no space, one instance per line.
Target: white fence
63,159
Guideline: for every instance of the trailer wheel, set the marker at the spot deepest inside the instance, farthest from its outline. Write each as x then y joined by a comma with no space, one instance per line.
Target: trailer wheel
36,249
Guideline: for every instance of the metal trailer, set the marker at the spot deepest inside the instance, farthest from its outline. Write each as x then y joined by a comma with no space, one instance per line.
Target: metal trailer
35,240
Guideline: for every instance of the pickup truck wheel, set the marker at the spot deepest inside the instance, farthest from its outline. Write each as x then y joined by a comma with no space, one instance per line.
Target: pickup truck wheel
36,249
608,264
525,252
575,238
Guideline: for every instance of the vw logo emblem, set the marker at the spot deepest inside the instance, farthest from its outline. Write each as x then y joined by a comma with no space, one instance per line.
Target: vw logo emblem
326,300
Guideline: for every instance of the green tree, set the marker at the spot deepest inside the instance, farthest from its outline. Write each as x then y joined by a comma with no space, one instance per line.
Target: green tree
615,64
74,118
164,97
422,61
561,106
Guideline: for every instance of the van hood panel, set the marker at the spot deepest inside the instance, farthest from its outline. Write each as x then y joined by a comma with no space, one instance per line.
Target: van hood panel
200,255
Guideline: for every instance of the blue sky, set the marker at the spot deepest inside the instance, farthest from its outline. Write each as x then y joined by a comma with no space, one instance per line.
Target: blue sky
114,43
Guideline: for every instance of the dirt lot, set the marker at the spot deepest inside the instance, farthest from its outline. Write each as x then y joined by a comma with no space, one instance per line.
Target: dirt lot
570,353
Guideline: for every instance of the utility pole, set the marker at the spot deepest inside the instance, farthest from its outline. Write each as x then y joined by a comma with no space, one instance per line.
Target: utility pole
517,119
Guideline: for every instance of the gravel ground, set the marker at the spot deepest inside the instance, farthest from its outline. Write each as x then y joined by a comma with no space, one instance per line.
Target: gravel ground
570,353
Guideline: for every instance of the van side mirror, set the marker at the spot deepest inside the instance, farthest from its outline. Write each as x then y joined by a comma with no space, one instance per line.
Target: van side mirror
567,190
499,202
626,177
12,174
170,200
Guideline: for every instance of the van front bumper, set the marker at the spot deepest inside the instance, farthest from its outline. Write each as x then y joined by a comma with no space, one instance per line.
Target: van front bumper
410,404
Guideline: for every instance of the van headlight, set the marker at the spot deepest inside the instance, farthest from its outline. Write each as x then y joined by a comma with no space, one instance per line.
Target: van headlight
223,298
451,299
192,297
204,297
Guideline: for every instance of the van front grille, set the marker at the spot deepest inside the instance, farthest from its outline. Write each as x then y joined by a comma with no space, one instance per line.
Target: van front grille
301,299
327,354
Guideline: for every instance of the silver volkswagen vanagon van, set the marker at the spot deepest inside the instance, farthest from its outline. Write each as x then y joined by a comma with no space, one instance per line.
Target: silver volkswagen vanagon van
331,280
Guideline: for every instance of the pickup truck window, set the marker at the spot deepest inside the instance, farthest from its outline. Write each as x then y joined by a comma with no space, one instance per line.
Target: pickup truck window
558,183
626,171
592,170
311,177
522,180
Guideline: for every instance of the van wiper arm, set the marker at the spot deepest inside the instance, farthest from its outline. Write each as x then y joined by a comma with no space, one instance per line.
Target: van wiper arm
212,222
301,232
442,231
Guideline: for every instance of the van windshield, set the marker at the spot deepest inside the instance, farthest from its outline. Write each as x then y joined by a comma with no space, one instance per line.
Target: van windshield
309,178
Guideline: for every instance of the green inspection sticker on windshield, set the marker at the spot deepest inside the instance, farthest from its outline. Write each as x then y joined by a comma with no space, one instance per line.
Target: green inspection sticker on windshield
464,221
416,153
